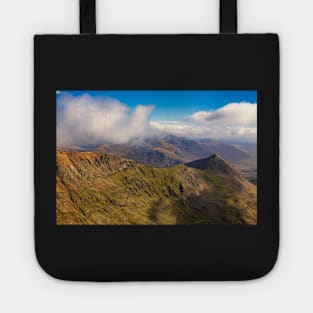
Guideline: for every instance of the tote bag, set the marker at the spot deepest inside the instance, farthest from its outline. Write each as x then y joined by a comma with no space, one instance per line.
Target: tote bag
156,156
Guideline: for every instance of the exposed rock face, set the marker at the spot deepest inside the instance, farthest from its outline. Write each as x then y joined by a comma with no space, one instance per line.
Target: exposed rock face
90,164
100,188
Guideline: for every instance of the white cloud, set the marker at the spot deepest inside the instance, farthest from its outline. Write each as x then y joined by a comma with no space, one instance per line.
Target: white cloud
192,130
85,120
241,114
234,121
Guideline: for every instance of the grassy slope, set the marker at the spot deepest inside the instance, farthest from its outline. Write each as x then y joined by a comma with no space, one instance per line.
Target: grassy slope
97,188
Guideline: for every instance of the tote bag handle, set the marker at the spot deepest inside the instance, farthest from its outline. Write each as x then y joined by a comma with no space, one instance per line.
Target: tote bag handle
228,16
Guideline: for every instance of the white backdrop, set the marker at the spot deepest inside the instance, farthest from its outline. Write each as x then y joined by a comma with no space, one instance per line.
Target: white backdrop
24,286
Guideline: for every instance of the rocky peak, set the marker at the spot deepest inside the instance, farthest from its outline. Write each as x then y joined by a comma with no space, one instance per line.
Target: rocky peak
214,162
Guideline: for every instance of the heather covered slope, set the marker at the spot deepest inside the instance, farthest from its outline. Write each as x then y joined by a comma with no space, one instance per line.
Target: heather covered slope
101,188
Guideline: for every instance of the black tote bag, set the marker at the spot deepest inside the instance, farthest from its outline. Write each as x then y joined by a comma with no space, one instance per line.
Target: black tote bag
157,156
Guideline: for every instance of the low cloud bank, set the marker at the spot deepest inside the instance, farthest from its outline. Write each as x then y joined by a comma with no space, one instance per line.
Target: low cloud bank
234,121
84,120
87,121
183,129
241,114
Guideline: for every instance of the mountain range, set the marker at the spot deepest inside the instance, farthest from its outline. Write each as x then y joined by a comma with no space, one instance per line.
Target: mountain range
163,181
171,150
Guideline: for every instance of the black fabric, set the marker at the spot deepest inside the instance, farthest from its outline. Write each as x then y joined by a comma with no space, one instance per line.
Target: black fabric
228,16
87,16
189,62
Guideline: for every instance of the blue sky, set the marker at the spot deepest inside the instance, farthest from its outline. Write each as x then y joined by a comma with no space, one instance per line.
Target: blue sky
173,105
95,117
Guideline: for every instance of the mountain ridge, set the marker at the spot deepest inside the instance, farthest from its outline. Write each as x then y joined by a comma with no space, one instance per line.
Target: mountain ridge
213,162
101,188
172,150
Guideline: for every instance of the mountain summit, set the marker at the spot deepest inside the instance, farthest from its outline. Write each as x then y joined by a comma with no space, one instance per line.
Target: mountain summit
214,162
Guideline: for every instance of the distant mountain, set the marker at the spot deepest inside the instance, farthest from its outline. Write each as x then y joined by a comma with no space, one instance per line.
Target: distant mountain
195,149
100,188
172,150
157,156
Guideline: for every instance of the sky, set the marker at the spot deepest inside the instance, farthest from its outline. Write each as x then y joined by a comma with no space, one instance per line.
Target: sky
97,117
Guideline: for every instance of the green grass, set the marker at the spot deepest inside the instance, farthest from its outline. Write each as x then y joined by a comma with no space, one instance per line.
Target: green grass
147,195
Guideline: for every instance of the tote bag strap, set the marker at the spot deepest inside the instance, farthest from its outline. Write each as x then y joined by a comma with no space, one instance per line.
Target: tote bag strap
87,19
228,16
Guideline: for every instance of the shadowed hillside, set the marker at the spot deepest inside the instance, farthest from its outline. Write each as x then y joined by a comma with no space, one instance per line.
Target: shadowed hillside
101,188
